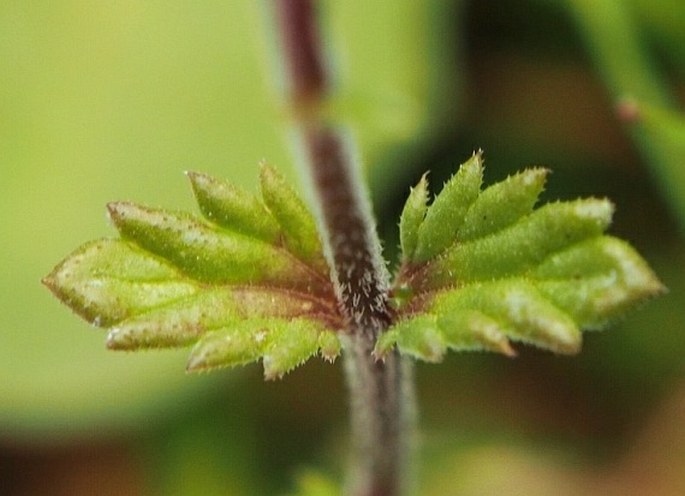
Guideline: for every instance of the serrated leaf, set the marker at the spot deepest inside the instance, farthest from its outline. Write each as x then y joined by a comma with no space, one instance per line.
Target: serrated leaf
523,245
419,337
329,346
186,320
427,336
445,216
471,330
412,216
282,344
502,204
596,280
232,208
236,344
288,347
521,311
175,280
108,280
299,227
208,254
485,316
511,273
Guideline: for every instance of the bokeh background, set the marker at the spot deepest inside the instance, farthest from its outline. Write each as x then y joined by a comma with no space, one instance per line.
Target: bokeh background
105,101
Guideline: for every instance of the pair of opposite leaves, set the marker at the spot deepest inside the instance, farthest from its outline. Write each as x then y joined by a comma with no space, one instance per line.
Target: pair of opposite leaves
479,268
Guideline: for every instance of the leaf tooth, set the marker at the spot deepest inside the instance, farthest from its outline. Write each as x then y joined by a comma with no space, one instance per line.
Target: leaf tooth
227,347
521,311
522,246
638,278
536,321
107,280
597,210
418,336
156,330
300,233
233,208
207,254
473,330
446,215
282,343
289,346
183,322
595,280
329,345
503,203
412,216
385,343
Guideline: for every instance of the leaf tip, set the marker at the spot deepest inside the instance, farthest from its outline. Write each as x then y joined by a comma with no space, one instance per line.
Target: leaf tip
268,173
568,346
639,279
119,339
113,340
119,210
272,370
600,210
198,180
194,177
329,346
196,363
506,349
535,176
201,184
475,163
385,343
50,282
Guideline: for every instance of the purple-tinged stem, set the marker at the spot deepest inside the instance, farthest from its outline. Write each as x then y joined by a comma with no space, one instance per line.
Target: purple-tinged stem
381,393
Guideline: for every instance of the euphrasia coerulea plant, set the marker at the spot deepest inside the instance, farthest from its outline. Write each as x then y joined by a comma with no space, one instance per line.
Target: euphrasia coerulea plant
262,278
480,268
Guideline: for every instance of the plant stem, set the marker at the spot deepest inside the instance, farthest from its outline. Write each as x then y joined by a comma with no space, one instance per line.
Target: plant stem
381,393
378,423
632,79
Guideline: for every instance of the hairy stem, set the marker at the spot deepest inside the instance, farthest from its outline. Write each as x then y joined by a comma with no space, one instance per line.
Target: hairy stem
376,388
381,393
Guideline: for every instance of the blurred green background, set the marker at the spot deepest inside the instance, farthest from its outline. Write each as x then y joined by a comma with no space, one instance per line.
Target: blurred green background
105,101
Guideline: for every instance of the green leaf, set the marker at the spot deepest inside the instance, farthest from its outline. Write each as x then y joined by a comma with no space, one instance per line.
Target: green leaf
502,204
299,227
283,344
482,317
233,208
412,216
183,322
329,346
419,337
523,245
511,273
289,347
427,336
206,253
231,284
520,310
109,280
471,330
597,280
446,215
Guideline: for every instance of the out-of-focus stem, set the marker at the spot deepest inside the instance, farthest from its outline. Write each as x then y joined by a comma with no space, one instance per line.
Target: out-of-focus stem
639,92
